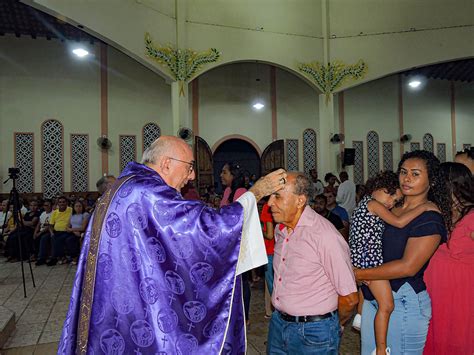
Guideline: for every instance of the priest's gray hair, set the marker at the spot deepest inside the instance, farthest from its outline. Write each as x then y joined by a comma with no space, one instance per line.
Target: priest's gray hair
157,149
303,186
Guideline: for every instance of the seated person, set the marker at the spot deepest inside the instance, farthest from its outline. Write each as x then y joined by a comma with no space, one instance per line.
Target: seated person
4,213
41,236
319,205
58,225
30,220
9,236
77,226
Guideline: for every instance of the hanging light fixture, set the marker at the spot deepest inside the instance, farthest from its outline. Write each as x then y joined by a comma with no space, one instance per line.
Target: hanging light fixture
258,104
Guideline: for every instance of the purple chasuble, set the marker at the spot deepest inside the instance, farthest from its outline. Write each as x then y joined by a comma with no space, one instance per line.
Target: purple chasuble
157,274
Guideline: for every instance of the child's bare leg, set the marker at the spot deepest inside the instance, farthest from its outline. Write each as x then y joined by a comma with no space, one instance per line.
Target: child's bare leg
383,294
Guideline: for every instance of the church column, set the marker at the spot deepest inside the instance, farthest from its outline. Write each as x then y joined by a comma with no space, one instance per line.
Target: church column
180,106
327,151
104,115
179,90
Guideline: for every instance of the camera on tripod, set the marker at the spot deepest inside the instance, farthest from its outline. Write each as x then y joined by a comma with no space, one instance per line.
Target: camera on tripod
13,173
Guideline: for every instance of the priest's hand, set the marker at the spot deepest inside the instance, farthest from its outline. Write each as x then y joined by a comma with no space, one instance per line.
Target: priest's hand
269,184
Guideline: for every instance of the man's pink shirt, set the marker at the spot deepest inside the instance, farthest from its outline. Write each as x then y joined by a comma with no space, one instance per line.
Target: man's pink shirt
312,267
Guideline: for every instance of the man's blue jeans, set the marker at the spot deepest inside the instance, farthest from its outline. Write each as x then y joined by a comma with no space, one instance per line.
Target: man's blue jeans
321,337
408,325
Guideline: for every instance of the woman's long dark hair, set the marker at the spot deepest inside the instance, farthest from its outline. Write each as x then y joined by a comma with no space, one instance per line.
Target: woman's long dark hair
460,186
238,178
438,192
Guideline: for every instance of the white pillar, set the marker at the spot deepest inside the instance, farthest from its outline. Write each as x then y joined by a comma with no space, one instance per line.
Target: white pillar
180,106
327,151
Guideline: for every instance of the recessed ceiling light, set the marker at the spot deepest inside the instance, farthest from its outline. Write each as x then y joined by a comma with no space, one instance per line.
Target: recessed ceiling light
80,52
258,106
414,83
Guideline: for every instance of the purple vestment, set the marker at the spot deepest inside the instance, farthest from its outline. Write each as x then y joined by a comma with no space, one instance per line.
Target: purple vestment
157,274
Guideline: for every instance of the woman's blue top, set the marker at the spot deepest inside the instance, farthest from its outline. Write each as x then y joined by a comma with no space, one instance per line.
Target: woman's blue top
395,239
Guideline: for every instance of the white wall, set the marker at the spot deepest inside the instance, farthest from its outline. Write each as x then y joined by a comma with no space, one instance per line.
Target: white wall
136,96
374,106
226,96
464,114
228,92
297,109
428,110
42,80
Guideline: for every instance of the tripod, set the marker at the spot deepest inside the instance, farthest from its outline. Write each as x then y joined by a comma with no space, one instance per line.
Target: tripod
14,200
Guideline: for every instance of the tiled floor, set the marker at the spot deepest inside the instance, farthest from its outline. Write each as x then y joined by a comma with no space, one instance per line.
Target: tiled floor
40,316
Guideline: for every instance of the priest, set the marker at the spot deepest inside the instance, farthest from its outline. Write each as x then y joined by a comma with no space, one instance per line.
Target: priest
159,274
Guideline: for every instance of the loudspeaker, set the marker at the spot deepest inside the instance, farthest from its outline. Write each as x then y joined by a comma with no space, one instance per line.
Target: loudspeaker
348,157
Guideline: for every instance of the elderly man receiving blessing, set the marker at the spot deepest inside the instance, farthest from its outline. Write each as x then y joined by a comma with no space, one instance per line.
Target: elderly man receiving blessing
314,290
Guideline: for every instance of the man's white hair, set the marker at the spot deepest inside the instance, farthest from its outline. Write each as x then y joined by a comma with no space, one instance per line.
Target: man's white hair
159,148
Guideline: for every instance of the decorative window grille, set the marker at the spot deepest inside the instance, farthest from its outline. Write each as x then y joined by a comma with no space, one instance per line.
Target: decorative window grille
358,162
292,155
24,160
387,151
128,150
310,152
414,146
151,131
428,143
52,158
441,152
373,153
79,162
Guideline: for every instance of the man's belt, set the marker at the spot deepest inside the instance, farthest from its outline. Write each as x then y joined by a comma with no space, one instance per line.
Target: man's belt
305,319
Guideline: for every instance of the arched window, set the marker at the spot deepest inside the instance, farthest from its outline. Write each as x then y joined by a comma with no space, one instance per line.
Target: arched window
441,152
151,131
310,152
358,162
428,142
24,160
387,152
292,163
52,154
373,153
128,150
79,162
414,146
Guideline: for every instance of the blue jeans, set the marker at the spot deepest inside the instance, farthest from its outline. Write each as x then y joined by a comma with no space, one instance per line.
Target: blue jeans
321,337
269,274
44,245
408,325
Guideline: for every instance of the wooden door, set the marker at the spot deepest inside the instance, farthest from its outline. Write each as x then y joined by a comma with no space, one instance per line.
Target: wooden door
273,156
204,170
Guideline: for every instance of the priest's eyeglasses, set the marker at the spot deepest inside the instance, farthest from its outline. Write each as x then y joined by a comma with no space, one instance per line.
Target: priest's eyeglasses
192,164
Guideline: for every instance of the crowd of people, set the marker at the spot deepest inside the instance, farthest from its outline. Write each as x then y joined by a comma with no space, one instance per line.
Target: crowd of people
48,231
396,251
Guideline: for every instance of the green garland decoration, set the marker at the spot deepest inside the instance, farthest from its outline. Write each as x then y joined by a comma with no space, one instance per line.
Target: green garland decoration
183,63
331,76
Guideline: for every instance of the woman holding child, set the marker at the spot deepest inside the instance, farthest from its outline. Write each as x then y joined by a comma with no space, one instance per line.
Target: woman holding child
406,253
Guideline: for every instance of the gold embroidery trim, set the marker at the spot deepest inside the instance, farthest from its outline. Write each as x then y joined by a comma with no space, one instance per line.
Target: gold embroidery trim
91,265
